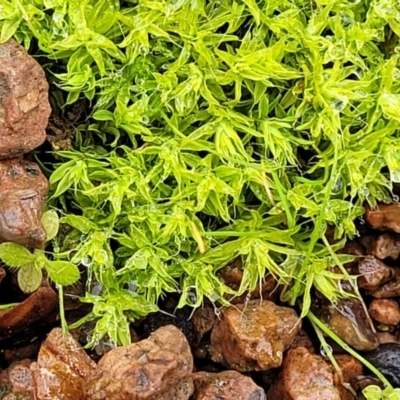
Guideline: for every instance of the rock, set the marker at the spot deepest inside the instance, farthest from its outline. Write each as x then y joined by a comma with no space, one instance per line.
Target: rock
16,382
227,385
253,336
21,379
61,368
304,376
24,104
353,248
385,311
23,195
25,318
158,368
386,245
384,217
203,321
388,290
387,360
351,369
373,273
348,320
386,337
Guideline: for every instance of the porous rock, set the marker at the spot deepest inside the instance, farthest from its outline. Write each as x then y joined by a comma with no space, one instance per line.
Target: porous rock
157,368
253,336
24,104
227,385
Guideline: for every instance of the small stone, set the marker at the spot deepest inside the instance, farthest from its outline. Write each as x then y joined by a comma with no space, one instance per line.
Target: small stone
24,104
304,376
388,290
385,246
386,337
373,273
158,368
385,311
61,368
21,379
387,360
23,196
348,320
351,369
203,321
253,336
384,217
227,385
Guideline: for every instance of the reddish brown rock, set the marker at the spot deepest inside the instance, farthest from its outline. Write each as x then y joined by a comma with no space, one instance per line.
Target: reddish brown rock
348,320
16,382
61,368
253,336
37,309
351,369
373,273
304,376
386,337
24,104
384,217
23,195
384,246
29,351
227,385
158,368
388,290
385,311
203,321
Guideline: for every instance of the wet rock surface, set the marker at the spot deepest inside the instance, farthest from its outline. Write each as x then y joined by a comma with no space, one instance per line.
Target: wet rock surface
388,290
385,311
253,336
227,385
304,376
157,368
387,360
23,196
384,217
61,368
385,246
24,104
373,273
348,320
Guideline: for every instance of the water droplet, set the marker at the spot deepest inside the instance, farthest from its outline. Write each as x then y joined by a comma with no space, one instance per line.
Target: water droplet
338,185
143,50
395,176
396,198
338,104
326,351
132,287
164,67
86,261
362,221
145,119
84,238
96,290
364,191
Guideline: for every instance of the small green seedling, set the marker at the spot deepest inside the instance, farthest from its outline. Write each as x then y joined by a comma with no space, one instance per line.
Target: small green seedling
30,265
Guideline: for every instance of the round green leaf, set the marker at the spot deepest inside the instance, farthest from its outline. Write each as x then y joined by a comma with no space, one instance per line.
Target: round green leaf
29,278
15,255
51,224
63,273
